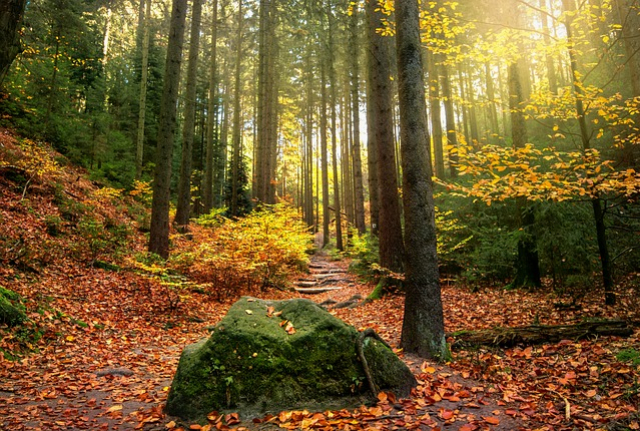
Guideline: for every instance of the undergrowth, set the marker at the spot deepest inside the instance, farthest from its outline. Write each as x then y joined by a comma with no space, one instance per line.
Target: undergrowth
234,256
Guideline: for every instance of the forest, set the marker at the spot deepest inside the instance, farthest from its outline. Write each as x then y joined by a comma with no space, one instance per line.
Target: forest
458,179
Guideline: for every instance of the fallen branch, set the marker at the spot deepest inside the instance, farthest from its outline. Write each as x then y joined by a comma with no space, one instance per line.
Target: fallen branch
538,334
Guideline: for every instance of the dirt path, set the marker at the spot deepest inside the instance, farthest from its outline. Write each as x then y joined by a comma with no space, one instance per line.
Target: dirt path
118,378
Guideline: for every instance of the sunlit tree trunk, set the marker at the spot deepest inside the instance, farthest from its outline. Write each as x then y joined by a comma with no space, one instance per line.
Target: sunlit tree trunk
159,234
436,117
184,183
450,120
423,322
323,153
551,68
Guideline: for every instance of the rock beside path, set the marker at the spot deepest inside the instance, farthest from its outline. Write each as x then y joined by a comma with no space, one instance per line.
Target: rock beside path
270,356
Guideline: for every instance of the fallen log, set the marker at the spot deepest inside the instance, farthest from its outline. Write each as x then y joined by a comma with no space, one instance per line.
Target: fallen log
539,334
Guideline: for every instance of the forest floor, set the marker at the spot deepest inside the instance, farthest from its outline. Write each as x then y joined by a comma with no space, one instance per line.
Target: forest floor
102,345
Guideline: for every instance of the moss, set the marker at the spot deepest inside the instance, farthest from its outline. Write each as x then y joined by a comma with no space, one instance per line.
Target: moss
252,365
12,312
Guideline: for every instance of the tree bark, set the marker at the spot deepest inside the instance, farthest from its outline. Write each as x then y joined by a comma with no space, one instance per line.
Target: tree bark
380,54
334,137
142,98
598,213
159,234
236,157
423,322
183,209
11,13
211,140
539,334
355,112
323,153
436,117
450,120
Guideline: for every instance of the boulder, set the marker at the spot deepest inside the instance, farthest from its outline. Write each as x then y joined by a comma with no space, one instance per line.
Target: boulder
270,356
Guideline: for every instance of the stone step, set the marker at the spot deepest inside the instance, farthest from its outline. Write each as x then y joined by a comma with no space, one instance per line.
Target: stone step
316,290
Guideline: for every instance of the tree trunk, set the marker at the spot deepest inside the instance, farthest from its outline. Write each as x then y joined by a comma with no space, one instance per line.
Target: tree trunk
380,54
423,322
601,233
452,137
334,137
237,132
211,115
372,158
142,99
11,13
159,234
323,154
267,105
551,68
436,120
527,265
184,183
355,112
539,334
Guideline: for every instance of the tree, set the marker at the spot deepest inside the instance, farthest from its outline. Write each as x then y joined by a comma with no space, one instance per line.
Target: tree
11,12
159,234
237,167
142,100
211,115
355,112
527,264
379,67
423,321
184,185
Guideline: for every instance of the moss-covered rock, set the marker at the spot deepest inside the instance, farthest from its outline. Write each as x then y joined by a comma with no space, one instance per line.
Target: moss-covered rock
12,311
269,356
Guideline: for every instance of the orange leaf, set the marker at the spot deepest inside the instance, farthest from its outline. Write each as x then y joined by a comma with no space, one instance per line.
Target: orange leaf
491,420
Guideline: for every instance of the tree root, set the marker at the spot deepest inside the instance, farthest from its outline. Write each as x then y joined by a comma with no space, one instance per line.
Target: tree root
360,349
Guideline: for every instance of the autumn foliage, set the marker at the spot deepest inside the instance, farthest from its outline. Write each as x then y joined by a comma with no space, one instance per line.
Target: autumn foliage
234,256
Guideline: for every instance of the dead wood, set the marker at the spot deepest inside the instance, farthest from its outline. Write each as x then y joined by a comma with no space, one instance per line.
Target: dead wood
538,334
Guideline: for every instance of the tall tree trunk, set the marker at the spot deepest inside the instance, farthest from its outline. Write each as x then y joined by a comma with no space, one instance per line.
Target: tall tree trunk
236,158
355,112
184,183
491,100
551,68
11,12
323,153
527,265
598,213
380,54
212,104
142,98
436,117
334,137
159,234
372,158
450,120
423,322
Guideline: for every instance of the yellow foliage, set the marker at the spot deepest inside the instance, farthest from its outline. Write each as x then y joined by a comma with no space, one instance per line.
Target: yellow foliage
256,251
